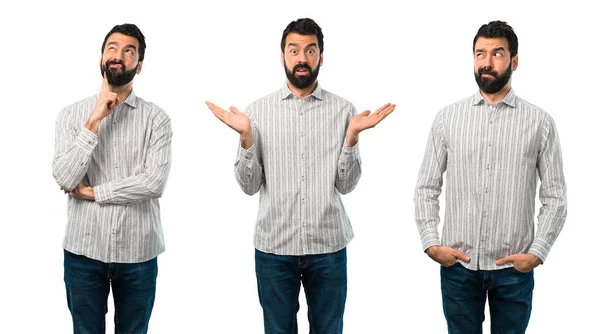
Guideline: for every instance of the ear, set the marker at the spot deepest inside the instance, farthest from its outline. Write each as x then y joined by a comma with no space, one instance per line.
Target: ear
321,60
139,67
282,60
515,62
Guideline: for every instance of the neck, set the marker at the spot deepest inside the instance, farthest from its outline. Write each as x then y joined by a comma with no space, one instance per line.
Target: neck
302,92
493,99
122,91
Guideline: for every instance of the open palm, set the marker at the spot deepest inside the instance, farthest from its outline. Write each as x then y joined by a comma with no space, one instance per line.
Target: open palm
234,118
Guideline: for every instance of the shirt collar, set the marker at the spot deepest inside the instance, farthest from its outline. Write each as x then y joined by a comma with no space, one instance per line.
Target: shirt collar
509,99
286,92
130,100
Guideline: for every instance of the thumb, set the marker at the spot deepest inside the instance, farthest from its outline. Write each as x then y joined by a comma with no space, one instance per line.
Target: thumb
504,260
234,110
365,113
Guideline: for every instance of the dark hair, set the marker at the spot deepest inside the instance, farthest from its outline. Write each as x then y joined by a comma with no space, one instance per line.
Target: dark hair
498,29
304,26
131,30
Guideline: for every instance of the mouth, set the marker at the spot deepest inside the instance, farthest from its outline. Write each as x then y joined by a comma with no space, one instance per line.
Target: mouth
302,72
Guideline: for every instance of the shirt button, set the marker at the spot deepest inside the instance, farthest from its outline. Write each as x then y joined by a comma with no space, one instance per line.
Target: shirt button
301,113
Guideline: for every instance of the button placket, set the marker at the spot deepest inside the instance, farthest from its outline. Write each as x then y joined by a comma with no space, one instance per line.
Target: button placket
487,173
302,128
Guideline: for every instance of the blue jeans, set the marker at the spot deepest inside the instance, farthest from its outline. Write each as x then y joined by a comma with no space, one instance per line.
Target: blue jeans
464,293
88,283
325,284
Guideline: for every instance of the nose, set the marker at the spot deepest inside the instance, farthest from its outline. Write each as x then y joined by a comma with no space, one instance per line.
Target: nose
487,62
302,58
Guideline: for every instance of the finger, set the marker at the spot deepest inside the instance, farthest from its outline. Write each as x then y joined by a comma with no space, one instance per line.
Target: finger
386,110
234,110
105,85
214,108
461,256
383,107
210,105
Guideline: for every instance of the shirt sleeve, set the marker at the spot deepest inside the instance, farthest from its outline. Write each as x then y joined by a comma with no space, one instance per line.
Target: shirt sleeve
73,149
248,167
553,192
150,183
429,185
349,163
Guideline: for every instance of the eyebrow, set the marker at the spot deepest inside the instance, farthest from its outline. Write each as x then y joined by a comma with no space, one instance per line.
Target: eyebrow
126,46
308,46
493,50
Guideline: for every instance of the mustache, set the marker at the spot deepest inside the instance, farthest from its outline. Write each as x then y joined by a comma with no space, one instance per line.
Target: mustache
114,62
304,66
485,70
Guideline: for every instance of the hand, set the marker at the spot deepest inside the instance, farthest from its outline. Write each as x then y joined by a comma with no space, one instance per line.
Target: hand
446,256
83,192
105,105
366,120
236,120
521,262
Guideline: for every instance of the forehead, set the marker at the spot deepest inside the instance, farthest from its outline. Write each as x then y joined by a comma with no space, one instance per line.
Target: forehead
122,40
484,43
301,40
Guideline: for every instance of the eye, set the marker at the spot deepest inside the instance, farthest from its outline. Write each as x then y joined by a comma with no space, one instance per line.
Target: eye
129,51
498,54
311,52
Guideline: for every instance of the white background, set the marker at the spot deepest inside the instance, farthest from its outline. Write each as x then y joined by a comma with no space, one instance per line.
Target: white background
418,56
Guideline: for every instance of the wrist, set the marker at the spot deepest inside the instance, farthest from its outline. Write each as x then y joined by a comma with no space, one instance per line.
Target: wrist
93,123
432,249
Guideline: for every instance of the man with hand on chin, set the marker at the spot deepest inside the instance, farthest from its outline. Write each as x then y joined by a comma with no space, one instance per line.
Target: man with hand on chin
112,156
299,147
492,146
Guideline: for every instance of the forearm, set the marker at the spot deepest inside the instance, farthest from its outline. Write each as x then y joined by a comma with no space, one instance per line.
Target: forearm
553,193
348,169
71,160
136,188
248,170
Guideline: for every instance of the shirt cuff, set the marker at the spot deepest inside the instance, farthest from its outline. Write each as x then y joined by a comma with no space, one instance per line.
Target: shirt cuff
87,140
350,153
102,193
247,154
539,248
430,237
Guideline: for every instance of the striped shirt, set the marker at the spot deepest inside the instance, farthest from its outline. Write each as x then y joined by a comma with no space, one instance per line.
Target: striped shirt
491,155
300,163
127,164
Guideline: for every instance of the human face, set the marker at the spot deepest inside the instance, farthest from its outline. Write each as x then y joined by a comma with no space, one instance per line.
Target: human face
493,64
301,59
120,59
